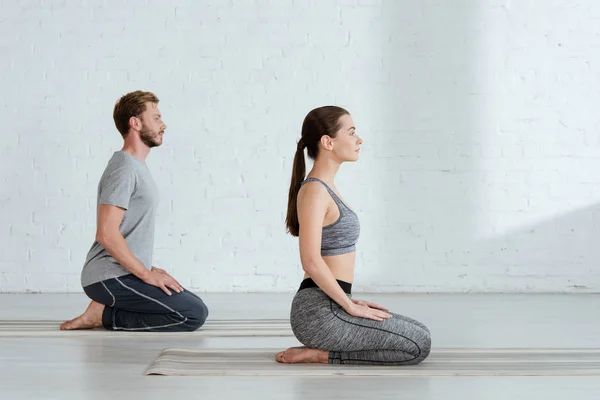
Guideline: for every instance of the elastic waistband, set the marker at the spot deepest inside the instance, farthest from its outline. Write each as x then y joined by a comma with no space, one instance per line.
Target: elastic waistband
309,283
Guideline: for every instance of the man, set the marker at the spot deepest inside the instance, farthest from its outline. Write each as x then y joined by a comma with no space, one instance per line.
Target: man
127,292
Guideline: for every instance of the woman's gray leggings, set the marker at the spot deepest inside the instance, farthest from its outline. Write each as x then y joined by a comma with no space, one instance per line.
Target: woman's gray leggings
319,322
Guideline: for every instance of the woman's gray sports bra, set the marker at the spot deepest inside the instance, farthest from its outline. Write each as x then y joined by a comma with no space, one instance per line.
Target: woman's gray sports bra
339,237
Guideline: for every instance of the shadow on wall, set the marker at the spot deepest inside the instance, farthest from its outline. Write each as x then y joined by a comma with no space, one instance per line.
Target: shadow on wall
538,255
428,203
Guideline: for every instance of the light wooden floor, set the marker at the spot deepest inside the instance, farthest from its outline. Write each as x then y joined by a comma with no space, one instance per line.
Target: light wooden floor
99,367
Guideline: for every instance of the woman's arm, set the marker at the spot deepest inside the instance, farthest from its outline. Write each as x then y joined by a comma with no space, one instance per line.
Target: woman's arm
312,207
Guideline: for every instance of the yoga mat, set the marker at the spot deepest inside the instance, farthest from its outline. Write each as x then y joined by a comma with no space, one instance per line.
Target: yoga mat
212,328
441,362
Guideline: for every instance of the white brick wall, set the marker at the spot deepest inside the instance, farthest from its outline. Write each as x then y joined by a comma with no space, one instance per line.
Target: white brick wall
479,169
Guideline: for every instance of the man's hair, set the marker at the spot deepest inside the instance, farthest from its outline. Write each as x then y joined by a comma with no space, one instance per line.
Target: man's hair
131,105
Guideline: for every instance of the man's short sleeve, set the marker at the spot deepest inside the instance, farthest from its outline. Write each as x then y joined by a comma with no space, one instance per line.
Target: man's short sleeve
117,187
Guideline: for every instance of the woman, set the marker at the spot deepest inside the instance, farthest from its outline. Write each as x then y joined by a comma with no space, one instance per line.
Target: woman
334,327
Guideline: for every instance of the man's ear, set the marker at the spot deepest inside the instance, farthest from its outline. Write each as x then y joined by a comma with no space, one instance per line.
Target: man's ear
135,123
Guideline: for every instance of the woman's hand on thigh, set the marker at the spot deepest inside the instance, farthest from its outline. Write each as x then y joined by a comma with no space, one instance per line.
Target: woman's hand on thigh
364,311
369,304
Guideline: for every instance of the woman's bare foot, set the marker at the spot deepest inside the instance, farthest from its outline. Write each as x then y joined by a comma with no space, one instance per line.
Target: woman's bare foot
91,318
303,354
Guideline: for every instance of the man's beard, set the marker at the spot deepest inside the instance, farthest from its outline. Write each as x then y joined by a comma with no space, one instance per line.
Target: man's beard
150,139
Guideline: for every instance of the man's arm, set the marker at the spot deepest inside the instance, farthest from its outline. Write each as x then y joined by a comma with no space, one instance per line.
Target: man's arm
109,236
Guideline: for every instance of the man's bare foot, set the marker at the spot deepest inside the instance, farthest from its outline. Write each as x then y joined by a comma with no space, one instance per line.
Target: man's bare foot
303,354
91,318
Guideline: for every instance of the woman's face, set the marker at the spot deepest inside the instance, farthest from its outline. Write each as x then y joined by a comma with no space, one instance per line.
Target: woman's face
346,144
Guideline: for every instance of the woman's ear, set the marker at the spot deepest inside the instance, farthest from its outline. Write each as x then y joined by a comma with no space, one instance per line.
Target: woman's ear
327,142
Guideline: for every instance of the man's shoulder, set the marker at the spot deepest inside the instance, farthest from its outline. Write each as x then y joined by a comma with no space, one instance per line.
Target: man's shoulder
122,160
120,165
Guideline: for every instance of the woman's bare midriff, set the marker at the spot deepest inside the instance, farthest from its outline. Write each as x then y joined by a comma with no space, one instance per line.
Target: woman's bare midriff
341,266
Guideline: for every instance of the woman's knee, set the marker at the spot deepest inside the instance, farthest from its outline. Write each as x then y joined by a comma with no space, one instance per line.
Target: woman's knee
425,346
422,340
414,339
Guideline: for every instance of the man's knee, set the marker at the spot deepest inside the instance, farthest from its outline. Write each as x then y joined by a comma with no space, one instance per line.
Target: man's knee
197,314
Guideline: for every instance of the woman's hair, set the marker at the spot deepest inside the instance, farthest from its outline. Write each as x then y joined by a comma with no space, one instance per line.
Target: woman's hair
319,122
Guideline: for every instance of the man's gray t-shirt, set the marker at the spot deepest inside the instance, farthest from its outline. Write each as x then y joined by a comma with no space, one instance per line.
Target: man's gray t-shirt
128,184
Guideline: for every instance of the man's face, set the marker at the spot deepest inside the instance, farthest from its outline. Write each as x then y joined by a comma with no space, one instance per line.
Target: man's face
153,126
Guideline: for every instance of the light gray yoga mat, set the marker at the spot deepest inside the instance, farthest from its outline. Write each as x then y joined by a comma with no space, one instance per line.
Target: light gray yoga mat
212,328
441,362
